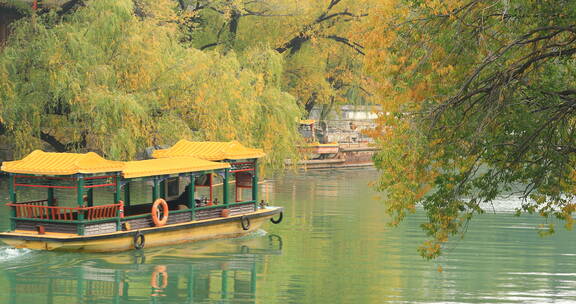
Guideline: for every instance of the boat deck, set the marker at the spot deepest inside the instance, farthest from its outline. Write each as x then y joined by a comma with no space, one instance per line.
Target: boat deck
136,217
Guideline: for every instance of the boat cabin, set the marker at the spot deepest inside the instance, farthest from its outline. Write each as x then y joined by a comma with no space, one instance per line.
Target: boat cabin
243,163
85,194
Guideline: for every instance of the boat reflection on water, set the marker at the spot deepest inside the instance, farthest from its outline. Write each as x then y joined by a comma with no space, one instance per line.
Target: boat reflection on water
203,271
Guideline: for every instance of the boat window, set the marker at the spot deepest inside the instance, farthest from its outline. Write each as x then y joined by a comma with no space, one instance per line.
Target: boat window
243,186
140,192
172,188
100,196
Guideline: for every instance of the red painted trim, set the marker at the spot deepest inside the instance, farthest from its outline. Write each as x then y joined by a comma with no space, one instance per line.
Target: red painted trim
45,177
242,170
44,186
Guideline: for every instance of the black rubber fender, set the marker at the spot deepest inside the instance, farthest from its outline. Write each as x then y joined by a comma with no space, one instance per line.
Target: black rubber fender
245,221
139,240
279,220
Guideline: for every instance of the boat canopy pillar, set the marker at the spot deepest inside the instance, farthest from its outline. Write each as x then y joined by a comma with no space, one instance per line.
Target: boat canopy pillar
12,188
119,211
80,191
211,181
156,190
51,201
90,197
255,181
80,202
191,189
225,186
118,185
127,193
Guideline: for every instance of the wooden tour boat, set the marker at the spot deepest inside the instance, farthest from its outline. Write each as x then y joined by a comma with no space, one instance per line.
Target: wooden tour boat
174,213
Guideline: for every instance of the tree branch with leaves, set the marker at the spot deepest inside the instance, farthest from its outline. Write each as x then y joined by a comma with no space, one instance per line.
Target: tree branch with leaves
478,103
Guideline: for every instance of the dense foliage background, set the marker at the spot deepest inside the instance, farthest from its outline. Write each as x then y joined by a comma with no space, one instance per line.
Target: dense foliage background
118,76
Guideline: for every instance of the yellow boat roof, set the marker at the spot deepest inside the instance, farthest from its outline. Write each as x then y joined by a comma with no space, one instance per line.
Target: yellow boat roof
209,150
50,163
165,166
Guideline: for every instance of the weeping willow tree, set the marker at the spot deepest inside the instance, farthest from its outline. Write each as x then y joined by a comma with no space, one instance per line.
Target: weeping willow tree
112,77
323,64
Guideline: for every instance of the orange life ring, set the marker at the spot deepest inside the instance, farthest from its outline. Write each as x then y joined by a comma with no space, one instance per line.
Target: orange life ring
159,271
159,222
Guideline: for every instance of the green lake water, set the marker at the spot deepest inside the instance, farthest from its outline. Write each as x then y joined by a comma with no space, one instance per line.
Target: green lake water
334,246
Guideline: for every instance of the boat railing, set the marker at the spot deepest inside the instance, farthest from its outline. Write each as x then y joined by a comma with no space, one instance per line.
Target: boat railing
37,210
222,206
101,212
95,220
